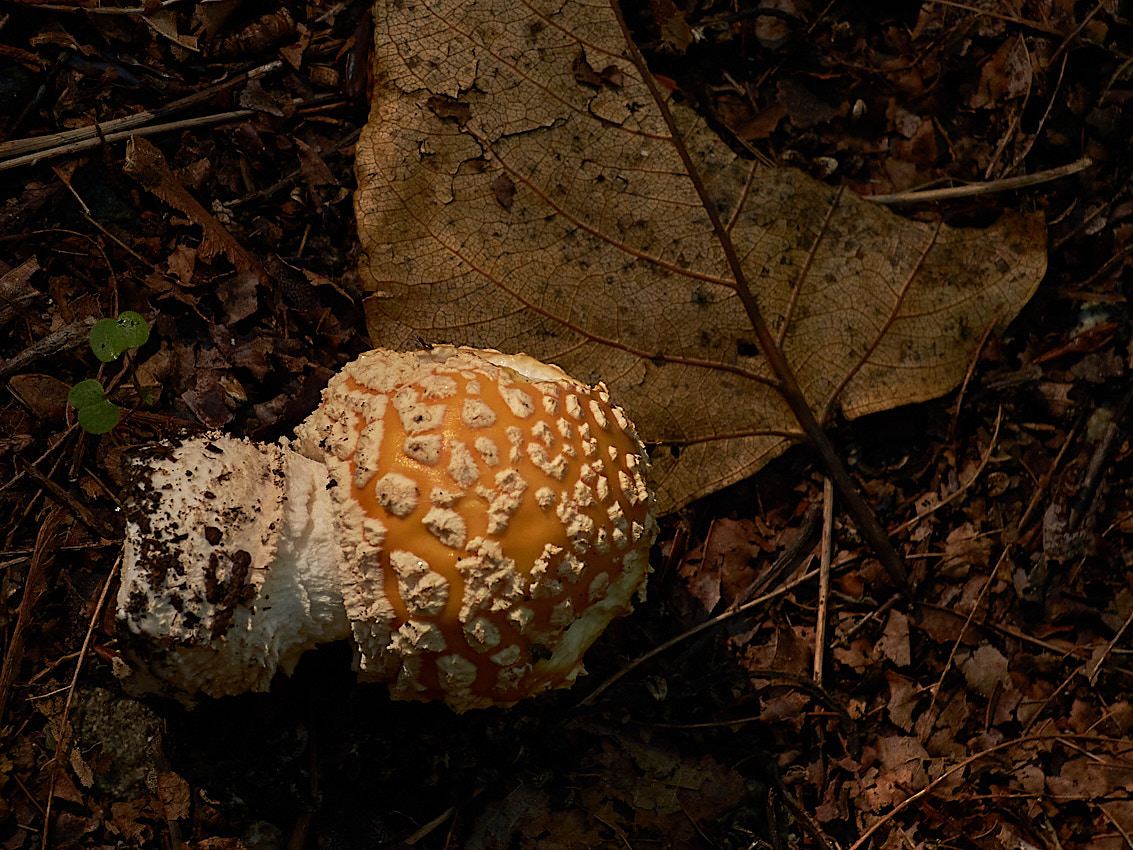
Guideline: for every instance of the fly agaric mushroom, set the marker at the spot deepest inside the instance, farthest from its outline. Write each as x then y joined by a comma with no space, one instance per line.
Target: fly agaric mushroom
472,520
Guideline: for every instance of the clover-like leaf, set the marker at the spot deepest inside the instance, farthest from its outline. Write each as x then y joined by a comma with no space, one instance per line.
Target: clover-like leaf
106,340
133,328
109,338
100,417
86,394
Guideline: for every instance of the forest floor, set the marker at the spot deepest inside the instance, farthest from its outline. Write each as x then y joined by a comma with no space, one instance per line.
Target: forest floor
990,710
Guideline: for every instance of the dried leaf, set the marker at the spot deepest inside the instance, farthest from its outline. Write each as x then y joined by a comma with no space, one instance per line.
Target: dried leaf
163,21
1006,75
904,695
16,289
605,261
44,395
676,35
173,792
894,642
145,163
314,169
903,761
985,669
721,564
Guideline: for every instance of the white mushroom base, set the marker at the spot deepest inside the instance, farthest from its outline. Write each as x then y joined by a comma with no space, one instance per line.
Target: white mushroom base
231,567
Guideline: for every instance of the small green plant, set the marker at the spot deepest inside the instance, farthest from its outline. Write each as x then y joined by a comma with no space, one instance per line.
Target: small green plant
109,340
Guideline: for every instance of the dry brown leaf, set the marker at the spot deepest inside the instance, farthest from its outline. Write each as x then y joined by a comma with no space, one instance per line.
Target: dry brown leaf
146,164
519,188
985,669
174,794
894,643
16,289
903,763
904,696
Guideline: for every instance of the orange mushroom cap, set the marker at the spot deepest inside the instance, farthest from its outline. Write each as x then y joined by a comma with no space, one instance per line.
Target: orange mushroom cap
495,518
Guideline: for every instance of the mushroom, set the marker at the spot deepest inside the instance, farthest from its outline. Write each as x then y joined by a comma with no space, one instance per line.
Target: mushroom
471,520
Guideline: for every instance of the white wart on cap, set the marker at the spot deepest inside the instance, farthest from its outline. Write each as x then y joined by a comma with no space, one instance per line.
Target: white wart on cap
497,517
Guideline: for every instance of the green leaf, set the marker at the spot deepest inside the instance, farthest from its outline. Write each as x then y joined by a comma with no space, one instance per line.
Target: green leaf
134,328
110,337
100,417
85,394
107,340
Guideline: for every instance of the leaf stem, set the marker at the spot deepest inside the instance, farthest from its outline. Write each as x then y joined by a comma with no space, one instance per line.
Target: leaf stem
788,385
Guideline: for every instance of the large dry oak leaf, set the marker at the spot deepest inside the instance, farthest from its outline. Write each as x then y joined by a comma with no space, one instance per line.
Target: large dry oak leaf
519,188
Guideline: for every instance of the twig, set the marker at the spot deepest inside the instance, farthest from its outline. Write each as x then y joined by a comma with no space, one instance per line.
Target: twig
695,630
787,385
963,487
1006,184
1121,71
789,558
973,360
153,130
936,689
876,614
1013,126
61,497
703,837
1113,822
44,552
426,829
349,139
94,9
1011,19
94,618
1077,31
1044,482
1099,463
806,821
1095,666
928,789
824,578
17,147
64,339
815,690
1054,98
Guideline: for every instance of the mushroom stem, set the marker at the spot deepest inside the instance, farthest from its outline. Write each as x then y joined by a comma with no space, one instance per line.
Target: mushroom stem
232,559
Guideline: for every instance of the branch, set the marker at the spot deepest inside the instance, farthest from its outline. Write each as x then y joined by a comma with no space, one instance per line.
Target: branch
788,386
